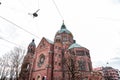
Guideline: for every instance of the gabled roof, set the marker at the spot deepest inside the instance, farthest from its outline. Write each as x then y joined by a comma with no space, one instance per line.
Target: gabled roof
51,42
45,40
74,45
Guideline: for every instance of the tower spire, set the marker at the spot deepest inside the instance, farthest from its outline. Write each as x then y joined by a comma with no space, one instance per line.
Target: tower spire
63,26
63,21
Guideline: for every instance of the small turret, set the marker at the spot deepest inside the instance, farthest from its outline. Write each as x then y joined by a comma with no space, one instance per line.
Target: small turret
31,47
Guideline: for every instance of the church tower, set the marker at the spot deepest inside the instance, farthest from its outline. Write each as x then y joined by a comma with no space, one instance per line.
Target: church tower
66,47
63,36
63,39
27,65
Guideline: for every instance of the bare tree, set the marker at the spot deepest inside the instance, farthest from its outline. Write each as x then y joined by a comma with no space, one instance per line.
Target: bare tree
0,66
16,59
4,66
72,67
10,63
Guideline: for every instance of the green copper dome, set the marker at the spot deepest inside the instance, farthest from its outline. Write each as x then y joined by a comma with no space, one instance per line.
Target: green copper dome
74,45
63,29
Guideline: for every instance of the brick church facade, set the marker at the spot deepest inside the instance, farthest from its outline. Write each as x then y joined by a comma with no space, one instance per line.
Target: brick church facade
62,59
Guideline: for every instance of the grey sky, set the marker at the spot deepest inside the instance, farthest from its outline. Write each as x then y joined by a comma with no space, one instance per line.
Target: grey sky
95,24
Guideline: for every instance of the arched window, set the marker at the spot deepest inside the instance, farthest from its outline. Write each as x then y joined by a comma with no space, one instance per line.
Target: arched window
64,38
82,65
80,53
88,54
89,67
58,38
26,66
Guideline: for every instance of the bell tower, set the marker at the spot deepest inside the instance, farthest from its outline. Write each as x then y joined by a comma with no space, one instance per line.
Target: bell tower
63,39
27,65
31,48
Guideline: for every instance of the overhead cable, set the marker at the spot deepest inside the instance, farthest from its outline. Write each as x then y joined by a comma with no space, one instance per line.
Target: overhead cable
9,41
18,26
58,9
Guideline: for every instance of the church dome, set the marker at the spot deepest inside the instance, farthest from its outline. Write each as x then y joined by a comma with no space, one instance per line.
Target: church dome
64,35
64,30
74,45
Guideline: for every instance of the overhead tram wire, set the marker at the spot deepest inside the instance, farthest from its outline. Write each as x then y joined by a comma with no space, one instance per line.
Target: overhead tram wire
58,10
10,42
19,26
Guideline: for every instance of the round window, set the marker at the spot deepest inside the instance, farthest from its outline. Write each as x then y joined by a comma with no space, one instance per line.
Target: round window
41,60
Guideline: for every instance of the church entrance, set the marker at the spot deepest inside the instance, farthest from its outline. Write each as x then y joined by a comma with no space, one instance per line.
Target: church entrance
39,78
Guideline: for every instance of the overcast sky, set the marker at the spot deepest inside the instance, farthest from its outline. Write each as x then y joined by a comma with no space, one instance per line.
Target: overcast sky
95,24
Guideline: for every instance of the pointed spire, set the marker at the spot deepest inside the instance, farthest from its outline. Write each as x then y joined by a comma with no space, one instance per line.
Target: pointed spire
63,26
63,21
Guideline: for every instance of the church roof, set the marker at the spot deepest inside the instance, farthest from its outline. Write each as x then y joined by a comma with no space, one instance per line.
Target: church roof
74,45
64,29
51,42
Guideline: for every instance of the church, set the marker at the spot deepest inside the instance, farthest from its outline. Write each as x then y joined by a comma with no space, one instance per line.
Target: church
61,59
